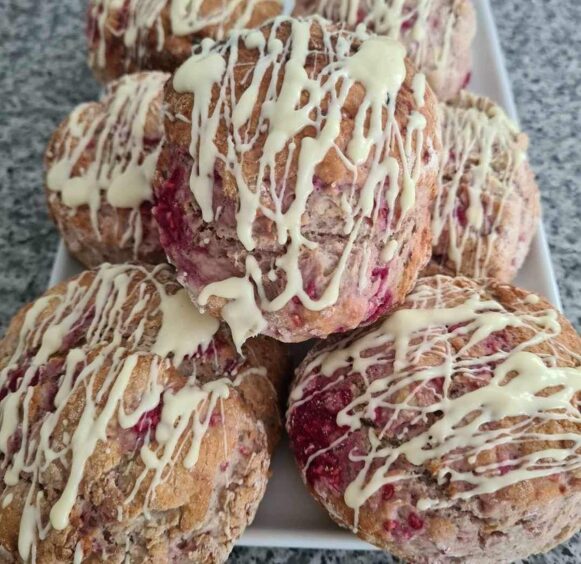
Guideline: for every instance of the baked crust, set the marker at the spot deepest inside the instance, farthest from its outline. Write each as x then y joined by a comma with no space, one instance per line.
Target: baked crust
99,165
437,34
134,35
440,434
149,437
206,245
488,205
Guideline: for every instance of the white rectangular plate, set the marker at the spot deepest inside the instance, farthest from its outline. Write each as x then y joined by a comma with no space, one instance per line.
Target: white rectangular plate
288,516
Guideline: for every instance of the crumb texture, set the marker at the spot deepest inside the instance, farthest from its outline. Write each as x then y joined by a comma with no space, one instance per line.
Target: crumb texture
313,217
451,430
129,424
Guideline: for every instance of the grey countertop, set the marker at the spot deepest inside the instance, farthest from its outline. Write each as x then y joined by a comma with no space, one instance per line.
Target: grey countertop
43,75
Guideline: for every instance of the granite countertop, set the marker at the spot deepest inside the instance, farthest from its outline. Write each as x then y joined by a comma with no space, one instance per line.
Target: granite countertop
43,75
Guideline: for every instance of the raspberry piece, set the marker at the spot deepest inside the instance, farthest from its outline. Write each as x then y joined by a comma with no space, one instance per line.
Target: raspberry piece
149,420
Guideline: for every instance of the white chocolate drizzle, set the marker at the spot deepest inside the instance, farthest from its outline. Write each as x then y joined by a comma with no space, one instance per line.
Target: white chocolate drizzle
186,17
191,16
106,158
483,152
407,21
110,308
142,15
414,351
277,134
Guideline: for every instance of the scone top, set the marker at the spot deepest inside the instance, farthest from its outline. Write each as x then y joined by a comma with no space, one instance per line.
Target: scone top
113,389
449,404
99,169
309,149
130,35
122,133
488,203
436,33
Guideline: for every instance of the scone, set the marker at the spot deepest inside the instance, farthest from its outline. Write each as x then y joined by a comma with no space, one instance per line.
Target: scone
99,168
437,34
126,36
450,431
294,201
488,204
130,429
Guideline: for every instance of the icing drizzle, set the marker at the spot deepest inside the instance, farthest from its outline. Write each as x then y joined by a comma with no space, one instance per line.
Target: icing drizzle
106,314
512,395
298,122
483,152
186,17
123,152
407,21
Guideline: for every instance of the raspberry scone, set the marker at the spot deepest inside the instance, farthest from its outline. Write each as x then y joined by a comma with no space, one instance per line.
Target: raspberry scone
488,204
450,431
294,202
130,428
99,169
126,36
437,34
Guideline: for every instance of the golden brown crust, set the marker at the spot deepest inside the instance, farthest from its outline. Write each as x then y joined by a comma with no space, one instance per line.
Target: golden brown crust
476,134
157,46
121,509
95,139
525,517
438,34
325,218
456,73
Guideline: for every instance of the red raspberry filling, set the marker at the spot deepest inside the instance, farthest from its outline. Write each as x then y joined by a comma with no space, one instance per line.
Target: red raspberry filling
313,427
436,384
318,183
379,273
151,143
456,326
502,470
380,303
467,80
92,29
123,17
382,217
167,212
496,342
382,300
326,469
312,290
381,416
215,419
53,368
47,374
460,213
415,522
387,492
409,23
13,380
149,420
403,531
179,229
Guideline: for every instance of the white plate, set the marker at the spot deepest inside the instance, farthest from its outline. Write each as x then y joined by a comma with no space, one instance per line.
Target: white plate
288,516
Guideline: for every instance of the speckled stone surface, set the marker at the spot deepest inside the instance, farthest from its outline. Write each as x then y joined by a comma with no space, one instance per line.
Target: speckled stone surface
43,75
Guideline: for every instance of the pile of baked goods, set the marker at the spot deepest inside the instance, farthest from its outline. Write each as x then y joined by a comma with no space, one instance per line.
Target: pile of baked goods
249,180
